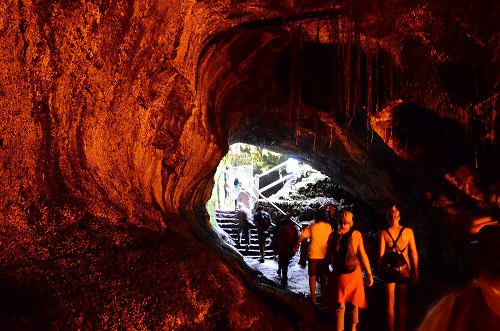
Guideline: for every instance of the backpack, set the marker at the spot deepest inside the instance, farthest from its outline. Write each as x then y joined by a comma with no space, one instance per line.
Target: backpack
263,220
285,238
344,259
394,268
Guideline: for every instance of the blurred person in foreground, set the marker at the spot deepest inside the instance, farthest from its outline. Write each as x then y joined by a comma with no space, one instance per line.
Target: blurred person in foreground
477,306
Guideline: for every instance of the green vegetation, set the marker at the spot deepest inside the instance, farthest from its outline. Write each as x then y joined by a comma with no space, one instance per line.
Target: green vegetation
261,158
311,191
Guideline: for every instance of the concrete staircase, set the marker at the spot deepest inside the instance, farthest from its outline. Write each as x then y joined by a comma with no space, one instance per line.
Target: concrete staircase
228,222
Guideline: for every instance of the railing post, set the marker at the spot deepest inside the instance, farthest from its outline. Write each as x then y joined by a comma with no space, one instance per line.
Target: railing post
257,183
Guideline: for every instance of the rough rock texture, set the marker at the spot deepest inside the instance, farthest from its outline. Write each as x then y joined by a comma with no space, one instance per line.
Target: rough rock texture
115,114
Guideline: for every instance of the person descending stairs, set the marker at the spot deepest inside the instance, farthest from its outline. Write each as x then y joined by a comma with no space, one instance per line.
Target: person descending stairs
228,222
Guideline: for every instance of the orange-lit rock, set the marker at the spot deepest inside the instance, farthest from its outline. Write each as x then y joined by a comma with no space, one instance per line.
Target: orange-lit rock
114,115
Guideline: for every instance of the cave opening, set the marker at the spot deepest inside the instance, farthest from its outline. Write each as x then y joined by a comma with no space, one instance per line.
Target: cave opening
248,177
303,91
284,186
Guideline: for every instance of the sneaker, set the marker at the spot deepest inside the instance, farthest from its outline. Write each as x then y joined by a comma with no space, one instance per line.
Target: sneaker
261,260
279,272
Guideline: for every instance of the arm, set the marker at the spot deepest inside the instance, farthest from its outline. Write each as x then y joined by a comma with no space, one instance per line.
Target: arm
301,239
364,258
381,249
414,257
329,248
304,235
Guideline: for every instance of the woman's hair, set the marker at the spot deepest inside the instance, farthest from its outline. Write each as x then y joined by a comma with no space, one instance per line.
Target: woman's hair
346,217
391,212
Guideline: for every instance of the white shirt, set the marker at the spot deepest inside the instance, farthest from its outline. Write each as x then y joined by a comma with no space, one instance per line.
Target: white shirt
319,233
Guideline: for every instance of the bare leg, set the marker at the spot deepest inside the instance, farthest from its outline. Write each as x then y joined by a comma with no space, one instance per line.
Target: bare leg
339,317
353,314
401,304
312,286
389,300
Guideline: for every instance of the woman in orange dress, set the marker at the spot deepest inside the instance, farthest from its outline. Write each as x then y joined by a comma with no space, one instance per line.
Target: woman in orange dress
347,289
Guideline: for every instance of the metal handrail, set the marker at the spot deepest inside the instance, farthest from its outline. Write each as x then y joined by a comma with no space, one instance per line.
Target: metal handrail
273,204
265,188
272,169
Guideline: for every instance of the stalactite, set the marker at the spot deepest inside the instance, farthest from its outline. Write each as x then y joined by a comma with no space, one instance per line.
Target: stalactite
384,79
390,72
316,113
293,75
475,156
368,95
356,104
337,65
347,82
298,102
331,137
336,38
494,115
377,103
317,30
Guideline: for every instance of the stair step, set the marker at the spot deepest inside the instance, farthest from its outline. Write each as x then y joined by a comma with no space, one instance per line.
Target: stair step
227,222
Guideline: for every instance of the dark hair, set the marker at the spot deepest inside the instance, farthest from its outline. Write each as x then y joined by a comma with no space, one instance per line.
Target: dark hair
321,215
259,208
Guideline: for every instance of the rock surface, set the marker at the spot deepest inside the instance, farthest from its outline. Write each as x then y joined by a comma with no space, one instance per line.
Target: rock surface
115,114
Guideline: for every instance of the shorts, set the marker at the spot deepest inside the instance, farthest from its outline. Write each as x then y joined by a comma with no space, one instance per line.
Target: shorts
317,267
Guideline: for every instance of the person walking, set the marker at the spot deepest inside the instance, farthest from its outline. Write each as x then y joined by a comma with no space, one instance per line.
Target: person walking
318,234
285,236
405,243
345,283
262,220
244,219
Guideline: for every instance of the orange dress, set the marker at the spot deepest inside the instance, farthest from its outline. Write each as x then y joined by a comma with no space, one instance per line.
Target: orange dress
347,288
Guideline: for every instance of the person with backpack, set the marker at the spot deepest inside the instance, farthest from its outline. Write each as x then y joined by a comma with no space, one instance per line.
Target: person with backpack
262,220
285,236
394,240
346,291
245,223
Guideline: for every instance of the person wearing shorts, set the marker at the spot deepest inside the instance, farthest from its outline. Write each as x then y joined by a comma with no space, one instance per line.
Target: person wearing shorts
317,234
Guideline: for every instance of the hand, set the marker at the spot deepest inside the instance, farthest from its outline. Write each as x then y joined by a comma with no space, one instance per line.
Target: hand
369,280
414,278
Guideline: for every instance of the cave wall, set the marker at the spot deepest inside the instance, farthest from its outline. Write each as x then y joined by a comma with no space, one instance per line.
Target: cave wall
115,114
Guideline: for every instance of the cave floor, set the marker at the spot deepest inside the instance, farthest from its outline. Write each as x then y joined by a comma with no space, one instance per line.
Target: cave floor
371,319
298,280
